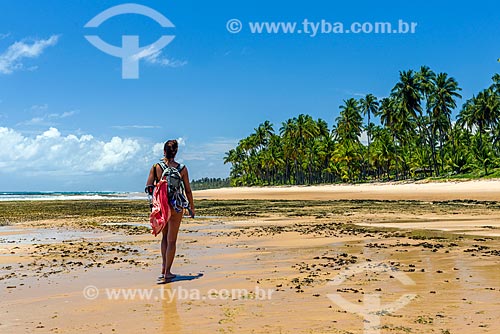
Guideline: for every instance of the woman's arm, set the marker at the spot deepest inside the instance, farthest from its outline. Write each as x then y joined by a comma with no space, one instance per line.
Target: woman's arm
151,177
189,193
150,185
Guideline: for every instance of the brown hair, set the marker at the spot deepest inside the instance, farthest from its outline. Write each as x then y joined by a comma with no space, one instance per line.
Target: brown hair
170,148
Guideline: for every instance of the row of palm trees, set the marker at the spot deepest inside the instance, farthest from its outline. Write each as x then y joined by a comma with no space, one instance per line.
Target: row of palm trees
209,183
409,134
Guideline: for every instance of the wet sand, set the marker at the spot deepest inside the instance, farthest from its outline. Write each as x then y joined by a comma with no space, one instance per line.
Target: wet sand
443,257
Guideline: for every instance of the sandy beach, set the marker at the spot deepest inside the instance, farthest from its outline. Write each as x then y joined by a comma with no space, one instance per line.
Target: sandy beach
488,190
386,258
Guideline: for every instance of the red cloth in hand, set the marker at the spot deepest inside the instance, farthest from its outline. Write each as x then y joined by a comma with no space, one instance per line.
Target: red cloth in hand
160,213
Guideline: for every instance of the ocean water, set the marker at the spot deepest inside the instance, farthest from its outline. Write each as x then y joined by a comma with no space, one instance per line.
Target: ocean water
79,195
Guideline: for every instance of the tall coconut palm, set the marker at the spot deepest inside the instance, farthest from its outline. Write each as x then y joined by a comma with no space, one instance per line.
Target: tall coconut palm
263,133
416,134
288,134
277,162
349,122
427,79
496,83
307,130
459,152
389,118
441,103
481,112
349,127
369,106
407,95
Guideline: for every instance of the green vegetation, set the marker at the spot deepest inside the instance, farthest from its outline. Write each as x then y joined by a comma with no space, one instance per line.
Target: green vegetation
416,138
95,213
209,183
106,210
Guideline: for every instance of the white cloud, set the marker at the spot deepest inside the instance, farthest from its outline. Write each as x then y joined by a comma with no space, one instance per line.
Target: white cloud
4,36
210,150
157,59
47,119
50,133
115,152
53,153
144,53
67,114
181,141
55,160
39,107
128,127
40,121
10,60
154,57
158,147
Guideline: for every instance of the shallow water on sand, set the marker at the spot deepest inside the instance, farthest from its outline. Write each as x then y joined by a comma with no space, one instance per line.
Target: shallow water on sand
32,236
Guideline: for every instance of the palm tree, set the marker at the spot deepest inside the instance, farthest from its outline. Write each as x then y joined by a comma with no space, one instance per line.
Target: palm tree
459,153
481,112
350,122
427,79
349,126
496,83
307,130
276,159
347,155
263,133
383,153
441,104
389,118
407,95
288,132
416,134
369,106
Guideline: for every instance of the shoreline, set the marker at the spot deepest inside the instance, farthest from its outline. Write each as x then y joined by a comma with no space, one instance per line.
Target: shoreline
481,190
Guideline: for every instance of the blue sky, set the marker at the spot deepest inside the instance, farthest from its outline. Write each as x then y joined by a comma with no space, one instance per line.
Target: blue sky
68,121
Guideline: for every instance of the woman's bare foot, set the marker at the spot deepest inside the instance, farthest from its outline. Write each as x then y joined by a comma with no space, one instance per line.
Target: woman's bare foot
166,278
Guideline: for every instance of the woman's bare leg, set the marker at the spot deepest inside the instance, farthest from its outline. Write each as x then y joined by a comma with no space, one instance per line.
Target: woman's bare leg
164,245
173,229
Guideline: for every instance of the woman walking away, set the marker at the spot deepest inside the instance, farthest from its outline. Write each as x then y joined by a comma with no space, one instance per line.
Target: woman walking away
168,181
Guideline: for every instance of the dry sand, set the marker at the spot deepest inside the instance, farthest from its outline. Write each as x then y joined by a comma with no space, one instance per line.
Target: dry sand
448,280
430,191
